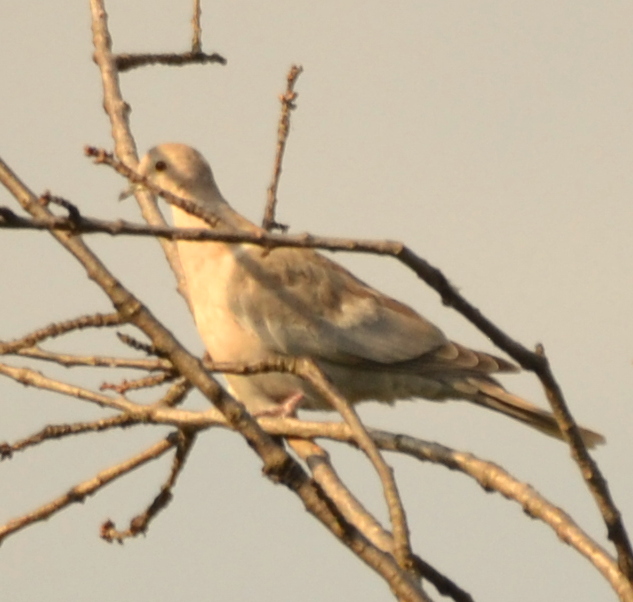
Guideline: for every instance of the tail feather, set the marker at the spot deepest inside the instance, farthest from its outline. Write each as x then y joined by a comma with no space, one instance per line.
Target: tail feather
495,397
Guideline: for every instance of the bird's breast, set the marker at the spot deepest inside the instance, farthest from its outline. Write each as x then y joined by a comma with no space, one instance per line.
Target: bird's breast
209,269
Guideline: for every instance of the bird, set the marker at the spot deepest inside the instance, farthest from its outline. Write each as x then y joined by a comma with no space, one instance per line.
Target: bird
252,304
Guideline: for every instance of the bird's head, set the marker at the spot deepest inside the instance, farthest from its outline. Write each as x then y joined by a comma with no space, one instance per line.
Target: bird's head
181,170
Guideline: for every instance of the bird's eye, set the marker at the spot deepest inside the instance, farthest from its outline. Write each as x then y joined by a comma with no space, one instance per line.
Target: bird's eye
160,166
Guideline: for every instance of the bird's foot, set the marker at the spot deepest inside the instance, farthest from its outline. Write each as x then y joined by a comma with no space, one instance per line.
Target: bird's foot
286,409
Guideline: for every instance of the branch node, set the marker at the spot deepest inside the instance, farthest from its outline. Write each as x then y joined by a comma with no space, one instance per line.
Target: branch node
6,451
74,214
7,216
130,341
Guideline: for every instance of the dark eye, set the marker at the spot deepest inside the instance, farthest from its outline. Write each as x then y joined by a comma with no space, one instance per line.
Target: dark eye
160,166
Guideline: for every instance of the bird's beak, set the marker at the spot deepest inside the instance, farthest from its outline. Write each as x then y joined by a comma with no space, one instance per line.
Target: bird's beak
129,191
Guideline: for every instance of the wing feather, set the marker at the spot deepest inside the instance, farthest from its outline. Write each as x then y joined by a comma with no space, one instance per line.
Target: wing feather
309,305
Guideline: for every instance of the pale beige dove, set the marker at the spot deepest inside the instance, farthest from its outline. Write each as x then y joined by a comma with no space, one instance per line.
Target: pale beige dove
251,304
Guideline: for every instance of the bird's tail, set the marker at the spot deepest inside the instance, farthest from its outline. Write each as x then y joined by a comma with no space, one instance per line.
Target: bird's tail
495,397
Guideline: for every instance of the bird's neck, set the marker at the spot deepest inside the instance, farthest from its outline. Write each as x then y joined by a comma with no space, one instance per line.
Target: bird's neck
227,219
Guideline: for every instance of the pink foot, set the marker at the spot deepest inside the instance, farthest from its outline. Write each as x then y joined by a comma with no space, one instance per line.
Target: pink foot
286,409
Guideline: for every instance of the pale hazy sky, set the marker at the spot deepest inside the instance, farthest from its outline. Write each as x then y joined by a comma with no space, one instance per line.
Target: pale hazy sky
494,138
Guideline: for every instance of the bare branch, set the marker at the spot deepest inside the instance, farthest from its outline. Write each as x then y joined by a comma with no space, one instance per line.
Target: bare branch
31,378
489,475
95,361
287,104
196,40
172,398
73,212
494,478
444,585
592,475
58,431
118,111
115,107
307,369
318,460
59,328
140,383
139,524
138,345
79,492
175,394
125,62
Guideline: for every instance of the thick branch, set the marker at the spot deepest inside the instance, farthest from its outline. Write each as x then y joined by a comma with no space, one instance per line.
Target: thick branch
318,460
309,371
118,111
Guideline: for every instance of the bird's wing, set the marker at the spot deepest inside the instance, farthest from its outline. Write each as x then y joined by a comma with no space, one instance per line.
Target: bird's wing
298,302
452,358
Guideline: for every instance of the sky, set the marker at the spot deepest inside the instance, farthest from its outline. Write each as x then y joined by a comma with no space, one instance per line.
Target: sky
493,138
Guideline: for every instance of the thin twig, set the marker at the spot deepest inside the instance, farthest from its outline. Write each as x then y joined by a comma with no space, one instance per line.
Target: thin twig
616,531
173,397
139,524
59,328
79,492
59,431
96,361
287,105
31,378
196,40
130,341
126,62
140,383
176,394
73,211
